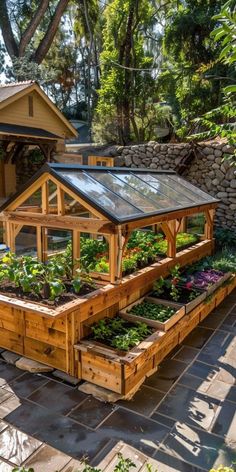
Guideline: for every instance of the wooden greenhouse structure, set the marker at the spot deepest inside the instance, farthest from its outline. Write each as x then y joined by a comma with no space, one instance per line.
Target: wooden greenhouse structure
109,203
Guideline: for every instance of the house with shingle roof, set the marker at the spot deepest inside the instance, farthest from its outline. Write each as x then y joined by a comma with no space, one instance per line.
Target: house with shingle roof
28,118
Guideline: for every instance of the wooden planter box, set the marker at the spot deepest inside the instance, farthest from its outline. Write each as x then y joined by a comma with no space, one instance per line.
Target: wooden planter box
124,374
212,288
180,312
187,306
48,335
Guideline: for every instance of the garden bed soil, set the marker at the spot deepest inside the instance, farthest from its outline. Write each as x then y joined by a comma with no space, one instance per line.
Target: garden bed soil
183,300
163,326
16,292
125,374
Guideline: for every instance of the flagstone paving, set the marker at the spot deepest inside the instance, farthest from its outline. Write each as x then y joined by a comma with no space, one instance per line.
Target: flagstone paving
184,416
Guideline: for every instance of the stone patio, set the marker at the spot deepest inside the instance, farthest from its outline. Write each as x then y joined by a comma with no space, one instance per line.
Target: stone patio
184,416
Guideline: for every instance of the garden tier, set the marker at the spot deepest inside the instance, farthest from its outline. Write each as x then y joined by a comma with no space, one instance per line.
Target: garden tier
102,202
99,203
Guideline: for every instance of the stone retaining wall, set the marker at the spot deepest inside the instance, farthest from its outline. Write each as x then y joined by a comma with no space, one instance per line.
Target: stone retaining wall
208,170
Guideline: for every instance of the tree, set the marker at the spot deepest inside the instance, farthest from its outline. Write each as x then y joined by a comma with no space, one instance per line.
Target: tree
192,77
126,65
221,120
17,42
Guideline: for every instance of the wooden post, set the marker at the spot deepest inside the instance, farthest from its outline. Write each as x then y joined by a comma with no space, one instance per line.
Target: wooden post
113,244
75,248
183,225
44,244
169,229
45,198
60,201
208,232
39,243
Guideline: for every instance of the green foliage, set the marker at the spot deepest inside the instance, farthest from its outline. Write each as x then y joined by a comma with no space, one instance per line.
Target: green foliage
219,121
222,468
224,237
188,81
226,262
46,281
91,251
152,311
119,333
126,82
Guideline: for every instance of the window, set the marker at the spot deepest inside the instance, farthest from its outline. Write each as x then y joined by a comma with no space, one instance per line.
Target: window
31,105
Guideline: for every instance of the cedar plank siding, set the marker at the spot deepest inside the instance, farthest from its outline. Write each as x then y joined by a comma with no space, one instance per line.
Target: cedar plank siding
18,113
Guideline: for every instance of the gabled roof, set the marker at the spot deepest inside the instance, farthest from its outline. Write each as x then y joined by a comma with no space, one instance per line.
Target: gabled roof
12,92
9,90
125,194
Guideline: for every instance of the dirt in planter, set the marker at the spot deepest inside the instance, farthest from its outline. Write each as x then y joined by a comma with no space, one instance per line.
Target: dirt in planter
16,292
184,295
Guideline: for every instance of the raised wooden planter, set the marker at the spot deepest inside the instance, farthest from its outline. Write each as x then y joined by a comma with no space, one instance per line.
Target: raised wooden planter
180,312
48,335
212,288
124,374
187,306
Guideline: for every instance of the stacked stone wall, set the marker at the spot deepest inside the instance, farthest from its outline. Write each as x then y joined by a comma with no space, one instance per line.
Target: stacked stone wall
210,170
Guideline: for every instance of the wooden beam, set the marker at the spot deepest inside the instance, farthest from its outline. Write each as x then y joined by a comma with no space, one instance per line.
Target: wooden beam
78,199
28,192
173,215
26,139
85,225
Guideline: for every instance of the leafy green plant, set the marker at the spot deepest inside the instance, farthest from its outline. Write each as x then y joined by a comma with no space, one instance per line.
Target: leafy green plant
119,333
152,311
129,264
102,266
45,280
159,286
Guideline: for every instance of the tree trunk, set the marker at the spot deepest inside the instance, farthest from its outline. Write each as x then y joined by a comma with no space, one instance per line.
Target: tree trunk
7,33
47,40
31,28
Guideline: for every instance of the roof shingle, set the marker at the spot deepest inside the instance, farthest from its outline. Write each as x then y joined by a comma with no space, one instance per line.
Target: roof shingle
8,90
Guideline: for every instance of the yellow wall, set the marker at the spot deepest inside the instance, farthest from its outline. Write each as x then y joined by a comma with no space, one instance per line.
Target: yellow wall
18,113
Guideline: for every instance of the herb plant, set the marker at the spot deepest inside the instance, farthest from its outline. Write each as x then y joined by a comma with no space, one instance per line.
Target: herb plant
152,311
119,333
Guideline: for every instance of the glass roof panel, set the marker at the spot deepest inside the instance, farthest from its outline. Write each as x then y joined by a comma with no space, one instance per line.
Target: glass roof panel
99,194
190,187
125,191
163,201
166,188
178,186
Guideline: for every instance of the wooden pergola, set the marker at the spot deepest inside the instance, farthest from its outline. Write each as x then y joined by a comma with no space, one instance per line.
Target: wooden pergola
117,201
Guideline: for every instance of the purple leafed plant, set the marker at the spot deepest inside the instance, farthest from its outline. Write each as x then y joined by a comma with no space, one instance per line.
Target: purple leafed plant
203,279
